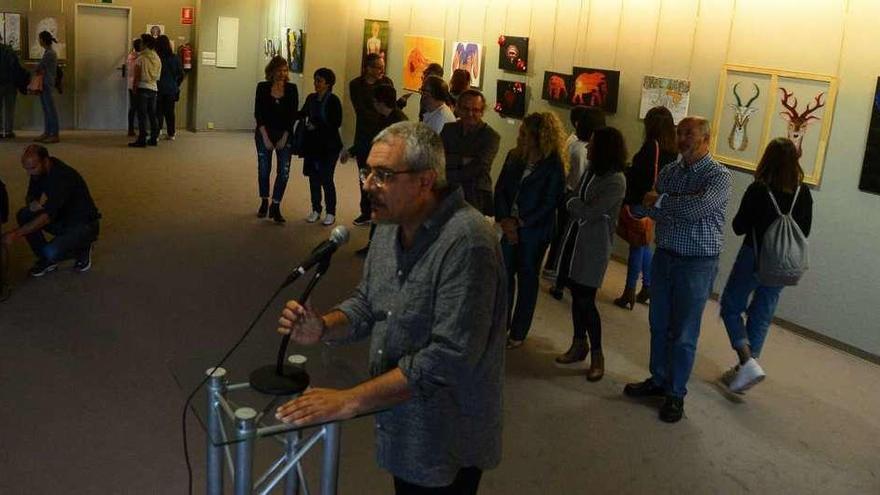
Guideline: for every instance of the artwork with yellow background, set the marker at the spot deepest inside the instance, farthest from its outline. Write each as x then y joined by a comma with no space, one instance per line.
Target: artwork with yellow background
419,52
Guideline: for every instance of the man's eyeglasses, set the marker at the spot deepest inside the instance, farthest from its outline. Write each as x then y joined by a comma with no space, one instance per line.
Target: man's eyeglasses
381,176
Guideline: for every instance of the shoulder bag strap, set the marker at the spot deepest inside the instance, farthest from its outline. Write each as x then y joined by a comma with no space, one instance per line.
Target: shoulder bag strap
794,200
775,204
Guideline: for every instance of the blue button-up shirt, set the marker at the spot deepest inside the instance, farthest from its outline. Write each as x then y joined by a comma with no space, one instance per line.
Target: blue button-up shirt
437,311
690,212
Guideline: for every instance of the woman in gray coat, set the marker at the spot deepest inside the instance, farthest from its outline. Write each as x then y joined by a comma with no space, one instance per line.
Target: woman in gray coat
593,210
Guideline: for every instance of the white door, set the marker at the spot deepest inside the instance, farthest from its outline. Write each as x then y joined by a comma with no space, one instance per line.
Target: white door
102,40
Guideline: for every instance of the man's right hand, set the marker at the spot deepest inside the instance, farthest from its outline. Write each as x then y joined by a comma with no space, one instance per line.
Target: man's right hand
302,323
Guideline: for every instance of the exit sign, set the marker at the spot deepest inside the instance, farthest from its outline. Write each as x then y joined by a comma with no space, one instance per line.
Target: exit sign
186,15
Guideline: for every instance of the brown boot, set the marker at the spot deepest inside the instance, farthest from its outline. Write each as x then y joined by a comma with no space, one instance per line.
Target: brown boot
597,367
644,295
627,299
577,352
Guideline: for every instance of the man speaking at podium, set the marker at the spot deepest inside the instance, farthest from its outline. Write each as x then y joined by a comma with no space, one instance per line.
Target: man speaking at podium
433,300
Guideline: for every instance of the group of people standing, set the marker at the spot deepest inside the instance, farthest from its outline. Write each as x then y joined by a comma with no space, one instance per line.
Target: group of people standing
154,74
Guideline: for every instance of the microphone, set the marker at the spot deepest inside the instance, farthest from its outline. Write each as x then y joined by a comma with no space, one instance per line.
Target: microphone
338,236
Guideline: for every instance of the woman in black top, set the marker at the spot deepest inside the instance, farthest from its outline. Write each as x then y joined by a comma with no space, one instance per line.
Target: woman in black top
779,175
659,148
275,109
530,186
322,116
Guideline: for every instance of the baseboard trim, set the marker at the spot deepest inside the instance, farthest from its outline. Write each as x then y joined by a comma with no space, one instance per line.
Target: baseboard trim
804,331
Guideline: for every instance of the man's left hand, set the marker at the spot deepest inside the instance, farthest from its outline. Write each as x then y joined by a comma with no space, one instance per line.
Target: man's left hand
318,405
650,199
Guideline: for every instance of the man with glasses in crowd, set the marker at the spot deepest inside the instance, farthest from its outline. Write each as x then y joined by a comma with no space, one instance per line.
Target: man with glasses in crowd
471,146
433,300
368,122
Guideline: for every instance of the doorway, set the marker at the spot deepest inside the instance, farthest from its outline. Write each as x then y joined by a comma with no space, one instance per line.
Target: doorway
102,43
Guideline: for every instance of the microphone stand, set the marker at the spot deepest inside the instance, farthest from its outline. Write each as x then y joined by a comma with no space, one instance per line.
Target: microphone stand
280,378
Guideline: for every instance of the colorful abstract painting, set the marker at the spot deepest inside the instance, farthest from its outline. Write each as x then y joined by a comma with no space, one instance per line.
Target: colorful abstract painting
419,52
595,88
467,55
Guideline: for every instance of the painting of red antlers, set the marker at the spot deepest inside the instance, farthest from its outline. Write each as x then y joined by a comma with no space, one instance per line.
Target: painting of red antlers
799,121
557,88
595,88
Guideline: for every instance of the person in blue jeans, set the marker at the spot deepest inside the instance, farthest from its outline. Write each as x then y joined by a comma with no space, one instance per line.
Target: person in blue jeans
48,67
527,193
58,202
658,150
778,175
276,105
688,206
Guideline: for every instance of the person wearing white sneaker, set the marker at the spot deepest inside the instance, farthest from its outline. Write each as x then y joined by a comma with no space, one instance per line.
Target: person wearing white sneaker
313,217
321,114
778,174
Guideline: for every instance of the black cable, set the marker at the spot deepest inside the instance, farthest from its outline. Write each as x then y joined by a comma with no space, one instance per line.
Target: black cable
207,376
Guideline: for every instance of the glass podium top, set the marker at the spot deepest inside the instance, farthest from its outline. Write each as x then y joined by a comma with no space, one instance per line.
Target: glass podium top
230,410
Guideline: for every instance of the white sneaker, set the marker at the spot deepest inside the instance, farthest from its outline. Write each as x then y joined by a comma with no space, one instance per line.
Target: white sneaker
329,220
748,375
313,217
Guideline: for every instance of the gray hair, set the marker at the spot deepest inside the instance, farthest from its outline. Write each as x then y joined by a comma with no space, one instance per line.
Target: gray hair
423,149
701,122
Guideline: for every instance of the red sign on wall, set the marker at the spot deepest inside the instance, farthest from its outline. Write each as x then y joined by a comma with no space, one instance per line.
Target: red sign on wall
187,15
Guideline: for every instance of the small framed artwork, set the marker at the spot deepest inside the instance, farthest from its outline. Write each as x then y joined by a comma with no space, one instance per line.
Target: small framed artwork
674,94
10,30
419,52
513,54
56,25
468,56
375,39
870,179
511,99
595,88
155,30
796,105
295,46
557,88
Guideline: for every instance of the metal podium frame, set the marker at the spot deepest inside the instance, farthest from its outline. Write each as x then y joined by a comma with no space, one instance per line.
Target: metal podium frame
241,463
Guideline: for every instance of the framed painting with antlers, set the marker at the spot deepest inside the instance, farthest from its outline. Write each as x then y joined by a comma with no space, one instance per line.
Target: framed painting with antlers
756,104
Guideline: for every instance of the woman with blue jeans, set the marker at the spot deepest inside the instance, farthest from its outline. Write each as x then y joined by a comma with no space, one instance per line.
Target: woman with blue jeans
778,178
528,191
48,68
658,150
322,114
275,108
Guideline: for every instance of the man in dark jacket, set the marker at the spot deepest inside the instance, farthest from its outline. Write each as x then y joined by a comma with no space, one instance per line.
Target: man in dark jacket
471,146
58,202
368,122
10,74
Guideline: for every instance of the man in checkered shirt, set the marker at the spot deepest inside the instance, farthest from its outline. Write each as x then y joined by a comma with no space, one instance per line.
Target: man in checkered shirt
688,207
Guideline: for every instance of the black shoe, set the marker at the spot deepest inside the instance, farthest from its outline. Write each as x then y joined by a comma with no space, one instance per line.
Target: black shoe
264,208
42,267
153,142
672,409
138,144
362,252
275,213
557,293
84,261
362,220
646,388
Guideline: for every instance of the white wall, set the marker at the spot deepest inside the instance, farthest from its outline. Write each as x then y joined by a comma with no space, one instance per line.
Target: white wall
688,39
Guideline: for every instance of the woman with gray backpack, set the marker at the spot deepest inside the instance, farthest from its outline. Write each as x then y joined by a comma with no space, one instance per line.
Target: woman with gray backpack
775,216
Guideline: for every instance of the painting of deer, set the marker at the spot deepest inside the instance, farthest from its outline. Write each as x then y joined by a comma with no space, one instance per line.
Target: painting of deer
798,122
738,139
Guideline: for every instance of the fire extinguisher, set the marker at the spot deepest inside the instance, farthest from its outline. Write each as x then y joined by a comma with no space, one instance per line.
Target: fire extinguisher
186,54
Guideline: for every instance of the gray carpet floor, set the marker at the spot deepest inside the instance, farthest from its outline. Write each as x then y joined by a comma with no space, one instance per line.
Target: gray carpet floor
94,367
